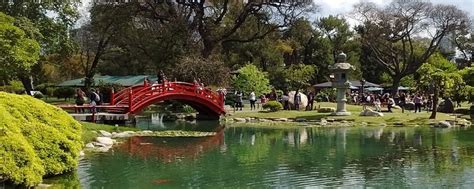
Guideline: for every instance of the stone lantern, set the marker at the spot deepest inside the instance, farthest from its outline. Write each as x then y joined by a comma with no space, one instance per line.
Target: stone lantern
341,82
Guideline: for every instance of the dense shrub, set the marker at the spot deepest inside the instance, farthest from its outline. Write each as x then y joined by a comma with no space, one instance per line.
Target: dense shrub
273,106
64,92
38,95
13,87
463,111
46,88
36,139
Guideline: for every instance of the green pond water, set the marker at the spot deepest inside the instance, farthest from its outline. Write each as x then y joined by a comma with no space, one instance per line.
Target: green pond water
251,157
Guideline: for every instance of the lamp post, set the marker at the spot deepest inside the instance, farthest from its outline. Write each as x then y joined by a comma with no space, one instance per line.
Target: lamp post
341,83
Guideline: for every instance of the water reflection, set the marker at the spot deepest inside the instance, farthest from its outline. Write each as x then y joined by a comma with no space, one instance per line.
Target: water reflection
261,158
169,149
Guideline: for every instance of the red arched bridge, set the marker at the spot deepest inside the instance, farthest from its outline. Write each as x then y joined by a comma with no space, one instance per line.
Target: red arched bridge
132,100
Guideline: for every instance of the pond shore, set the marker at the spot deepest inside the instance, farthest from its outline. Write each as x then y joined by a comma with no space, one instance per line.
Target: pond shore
315,118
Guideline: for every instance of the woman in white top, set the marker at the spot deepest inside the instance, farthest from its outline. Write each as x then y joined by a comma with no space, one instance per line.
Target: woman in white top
252,100
377,103
391,102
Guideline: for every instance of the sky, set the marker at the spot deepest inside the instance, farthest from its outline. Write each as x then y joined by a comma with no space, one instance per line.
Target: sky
336,7
339,7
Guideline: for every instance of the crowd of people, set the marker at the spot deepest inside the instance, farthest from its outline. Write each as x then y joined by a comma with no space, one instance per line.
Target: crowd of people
417,102
94,98
284,99
401,99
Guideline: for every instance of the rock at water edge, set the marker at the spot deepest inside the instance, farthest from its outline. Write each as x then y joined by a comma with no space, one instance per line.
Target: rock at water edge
444,124
105,140
105,133
90,145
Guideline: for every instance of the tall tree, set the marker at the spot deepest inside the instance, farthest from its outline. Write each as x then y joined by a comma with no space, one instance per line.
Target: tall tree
18,50
337,31
391,33
442,76
250,79
464,41
53,19
93,38
218,21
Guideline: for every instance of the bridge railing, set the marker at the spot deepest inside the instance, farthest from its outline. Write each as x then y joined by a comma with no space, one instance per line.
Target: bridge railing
138,97
122,96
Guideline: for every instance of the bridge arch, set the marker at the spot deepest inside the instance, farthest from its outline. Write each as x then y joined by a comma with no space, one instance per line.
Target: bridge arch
209,104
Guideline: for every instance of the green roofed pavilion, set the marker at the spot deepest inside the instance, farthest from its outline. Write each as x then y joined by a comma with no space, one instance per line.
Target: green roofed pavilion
125,81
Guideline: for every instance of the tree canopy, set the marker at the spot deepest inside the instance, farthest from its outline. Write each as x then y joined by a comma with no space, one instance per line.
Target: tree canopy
250,78
441,75
391,33
19,51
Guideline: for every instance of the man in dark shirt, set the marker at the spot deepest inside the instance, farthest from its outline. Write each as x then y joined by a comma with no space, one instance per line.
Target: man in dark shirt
402,101
273,95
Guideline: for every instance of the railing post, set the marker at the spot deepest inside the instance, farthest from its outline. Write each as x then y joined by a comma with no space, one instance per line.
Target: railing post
130,100
112,97
93,114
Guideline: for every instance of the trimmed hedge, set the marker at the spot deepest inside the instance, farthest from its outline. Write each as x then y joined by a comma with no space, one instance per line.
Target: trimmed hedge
273,106
36,139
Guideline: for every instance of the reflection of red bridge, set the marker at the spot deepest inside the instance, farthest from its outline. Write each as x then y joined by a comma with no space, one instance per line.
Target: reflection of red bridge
170,149
134,99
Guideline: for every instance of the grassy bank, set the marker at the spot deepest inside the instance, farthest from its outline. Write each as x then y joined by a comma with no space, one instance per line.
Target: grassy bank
397,117
88,129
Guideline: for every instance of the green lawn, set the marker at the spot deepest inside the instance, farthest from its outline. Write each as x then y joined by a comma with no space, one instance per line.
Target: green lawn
87,130
397,117
57,101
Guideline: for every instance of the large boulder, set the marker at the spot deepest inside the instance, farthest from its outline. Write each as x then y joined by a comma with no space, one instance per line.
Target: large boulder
36,139
291,101
446,106
443,124
107,141
370,112
472,112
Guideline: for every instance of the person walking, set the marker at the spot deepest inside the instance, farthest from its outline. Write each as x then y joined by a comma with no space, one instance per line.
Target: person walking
377,104
429,104
263,100
418,102
297,99
239,100
285,98
100,100
252,99
402,99
273,95
391,102
310,100
80,100
94,99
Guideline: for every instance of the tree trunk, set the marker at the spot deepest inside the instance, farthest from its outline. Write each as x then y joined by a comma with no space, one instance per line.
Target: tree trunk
27,82
435,103
89,80
395,85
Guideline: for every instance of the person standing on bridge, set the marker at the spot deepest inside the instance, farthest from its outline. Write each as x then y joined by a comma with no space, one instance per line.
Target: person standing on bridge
100,100
94,98
80,100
